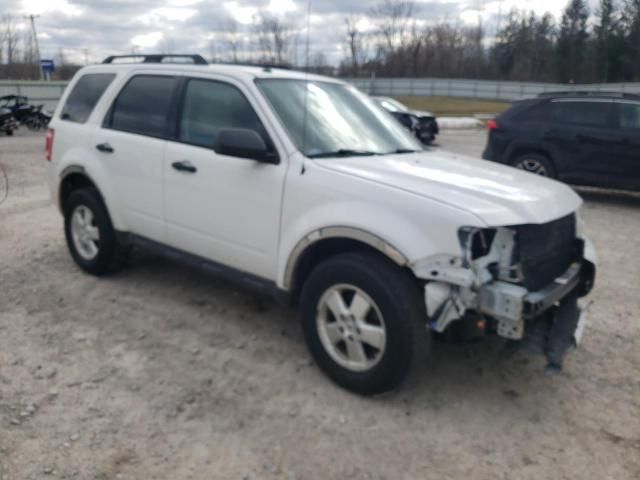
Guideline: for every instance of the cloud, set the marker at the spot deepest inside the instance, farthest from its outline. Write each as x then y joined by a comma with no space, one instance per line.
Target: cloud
203,26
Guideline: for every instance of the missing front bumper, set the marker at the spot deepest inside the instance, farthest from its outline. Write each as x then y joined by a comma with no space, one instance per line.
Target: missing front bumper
513,305
554,334
548,321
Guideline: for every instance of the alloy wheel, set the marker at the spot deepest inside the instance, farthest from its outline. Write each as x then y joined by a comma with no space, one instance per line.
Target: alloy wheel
351,327
85,234
533,166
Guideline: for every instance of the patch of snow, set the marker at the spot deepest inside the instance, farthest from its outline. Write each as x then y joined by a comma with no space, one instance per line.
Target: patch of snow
459,123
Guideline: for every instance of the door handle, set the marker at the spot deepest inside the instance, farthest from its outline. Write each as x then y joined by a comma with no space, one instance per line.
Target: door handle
184,166
104,147
550,134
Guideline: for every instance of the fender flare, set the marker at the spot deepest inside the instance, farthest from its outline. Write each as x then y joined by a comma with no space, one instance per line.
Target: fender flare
315,236
75,169
71,170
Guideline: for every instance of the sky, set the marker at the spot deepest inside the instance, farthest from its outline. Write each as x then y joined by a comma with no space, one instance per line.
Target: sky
89,30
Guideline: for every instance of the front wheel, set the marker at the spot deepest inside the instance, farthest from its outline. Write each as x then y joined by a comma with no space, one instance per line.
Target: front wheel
364,321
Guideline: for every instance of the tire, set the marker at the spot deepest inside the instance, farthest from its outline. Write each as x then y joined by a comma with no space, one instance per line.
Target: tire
395,307
535,163
9,132
106,255
427,141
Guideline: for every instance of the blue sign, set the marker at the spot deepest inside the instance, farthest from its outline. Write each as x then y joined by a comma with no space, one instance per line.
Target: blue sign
47,66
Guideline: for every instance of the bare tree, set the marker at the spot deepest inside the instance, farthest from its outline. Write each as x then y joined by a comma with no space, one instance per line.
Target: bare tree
394,20
355,43
274,38
11,38
232,40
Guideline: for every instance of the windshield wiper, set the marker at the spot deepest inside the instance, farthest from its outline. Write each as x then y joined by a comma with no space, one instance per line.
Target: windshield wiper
343,152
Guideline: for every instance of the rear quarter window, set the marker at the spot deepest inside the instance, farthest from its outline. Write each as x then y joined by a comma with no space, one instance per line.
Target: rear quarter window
524,110
84,96
143,105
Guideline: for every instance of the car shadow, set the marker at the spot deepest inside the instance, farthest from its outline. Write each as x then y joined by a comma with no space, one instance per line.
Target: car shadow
478,368
248,340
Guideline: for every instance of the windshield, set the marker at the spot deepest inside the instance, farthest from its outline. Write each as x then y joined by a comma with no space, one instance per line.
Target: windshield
340,121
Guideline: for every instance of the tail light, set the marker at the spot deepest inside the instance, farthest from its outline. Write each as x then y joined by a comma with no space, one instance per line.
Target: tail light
492,125
48,144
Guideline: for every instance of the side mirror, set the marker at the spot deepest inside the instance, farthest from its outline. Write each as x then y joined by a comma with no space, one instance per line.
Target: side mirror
243,143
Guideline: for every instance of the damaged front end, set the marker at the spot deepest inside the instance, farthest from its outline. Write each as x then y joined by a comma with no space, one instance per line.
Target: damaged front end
521,282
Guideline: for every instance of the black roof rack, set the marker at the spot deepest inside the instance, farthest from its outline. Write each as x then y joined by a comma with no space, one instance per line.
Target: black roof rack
159,58
589,93
266,66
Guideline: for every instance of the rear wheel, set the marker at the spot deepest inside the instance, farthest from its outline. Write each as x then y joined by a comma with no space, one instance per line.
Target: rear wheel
364,321
535,163
90,235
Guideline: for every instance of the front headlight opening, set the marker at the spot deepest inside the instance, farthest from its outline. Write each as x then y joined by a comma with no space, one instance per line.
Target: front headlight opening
476,242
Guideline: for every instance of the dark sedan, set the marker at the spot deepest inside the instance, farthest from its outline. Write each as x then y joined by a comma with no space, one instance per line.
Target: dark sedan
422,124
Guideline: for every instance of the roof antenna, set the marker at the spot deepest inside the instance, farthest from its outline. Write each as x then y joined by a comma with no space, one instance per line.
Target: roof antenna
306,93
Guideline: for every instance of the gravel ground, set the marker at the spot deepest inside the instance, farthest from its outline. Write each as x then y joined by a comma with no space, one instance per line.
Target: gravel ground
162,372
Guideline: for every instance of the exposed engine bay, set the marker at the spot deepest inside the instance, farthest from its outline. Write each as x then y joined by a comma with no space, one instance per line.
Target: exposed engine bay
523,282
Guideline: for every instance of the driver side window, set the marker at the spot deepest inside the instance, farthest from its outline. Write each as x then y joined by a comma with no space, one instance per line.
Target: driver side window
210,106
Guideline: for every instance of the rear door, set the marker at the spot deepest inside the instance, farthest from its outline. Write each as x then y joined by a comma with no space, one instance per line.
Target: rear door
585,133
628,168
132,143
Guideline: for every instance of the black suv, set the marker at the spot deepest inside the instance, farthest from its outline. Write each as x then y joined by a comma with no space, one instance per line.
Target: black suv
583,138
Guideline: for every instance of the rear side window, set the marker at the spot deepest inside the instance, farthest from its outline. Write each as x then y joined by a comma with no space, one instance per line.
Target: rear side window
590,114
210,106
629,115
143,106
84,96
537,113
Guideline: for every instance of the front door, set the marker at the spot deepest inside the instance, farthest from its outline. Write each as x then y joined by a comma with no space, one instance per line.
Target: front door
223,208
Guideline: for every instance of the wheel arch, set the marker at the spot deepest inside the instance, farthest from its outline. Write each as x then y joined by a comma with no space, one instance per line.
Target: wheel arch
72,178
76,176
325,242
518,149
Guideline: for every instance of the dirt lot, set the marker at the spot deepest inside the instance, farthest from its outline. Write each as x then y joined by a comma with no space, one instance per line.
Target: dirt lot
161,372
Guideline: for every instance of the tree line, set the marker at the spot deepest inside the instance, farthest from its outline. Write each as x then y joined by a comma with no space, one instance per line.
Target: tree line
582,46
398,39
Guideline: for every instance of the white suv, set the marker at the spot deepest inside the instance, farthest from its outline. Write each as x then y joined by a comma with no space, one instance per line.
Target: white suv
302,187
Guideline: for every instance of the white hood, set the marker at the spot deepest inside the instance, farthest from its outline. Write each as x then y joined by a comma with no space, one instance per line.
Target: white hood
497,194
